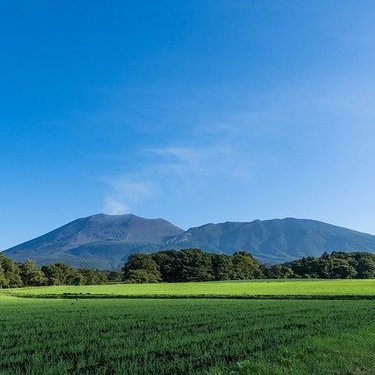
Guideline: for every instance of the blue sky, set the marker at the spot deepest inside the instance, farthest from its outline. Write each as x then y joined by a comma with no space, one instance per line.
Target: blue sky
194,111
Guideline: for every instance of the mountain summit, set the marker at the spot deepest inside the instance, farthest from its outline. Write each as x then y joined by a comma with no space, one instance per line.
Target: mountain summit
274,241
105,241
99,241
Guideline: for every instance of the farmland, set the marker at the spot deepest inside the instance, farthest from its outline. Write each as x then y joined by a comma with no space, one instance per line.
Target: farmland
282,289
187,335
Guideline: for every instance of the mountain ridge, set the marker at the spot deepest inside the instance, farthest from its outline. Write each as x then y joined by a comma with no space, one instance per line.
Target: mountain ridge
105,241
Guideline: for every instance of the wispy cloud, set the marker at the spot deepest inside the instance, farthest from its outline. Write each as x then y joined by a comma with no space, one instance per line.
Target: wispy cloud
114,206
175,172
126,193
182,154
217,160
281,141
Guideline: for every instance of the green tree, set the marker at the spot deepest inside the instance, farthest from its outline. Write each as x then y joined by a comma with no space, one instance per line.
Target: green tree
3,280
114,276
11,272
366,266
245,266
32,275
141,267
166,262
88,276
76,279
58,273
279,271
222,266
141,276
193,265
342,269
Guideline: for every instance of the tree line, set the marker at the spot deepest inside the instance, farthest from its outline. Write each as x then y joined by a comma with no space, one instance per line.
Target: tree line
189,265
196,265
16,275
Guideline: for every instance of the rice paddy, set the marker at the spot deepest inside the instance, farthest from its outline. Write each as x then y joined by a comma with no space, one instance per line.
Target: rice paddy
188,335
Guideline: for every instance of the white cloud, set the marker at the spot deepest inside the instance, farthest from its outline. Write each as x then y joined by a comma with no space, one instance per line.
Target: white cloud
175,172
126,194
217,160
113,206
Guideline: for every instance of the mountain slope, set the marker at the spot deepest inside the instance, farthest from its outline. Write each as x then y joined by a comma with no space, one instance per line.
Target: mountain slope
102,241
277,240
105,241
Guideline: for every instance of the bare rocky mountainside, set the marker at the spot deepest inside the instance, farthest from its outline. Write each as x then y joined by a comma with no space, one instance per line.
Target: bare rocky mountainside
105,241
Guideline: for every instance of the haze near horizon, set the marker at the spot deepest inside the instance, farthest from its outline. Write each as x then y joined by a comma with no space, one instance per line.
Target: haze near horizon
193,111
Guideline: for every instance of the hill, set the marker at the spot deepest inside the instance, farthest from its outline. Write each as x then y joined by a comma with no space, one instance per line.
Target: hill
98,241
105,241
274,241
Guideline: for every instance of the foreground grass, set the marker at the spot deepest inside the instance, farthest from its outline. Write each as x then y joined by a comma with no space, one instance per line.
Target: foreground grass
151,336
354,288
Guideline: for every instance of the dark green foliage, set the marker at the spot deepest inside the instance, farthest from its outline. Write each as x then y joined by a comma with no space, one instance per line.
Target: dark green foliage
58,273
9,273
342,269
141,268
222,266
76,279
245,266
32,275
366,267
166,262
338,265
278,271
140,276
14,275
196,265
114,276
91,277
191,265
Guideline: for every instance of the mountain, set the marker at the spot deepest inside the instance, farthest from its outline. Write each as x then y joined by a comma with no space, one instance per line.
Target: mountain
274,241
105,241
98,241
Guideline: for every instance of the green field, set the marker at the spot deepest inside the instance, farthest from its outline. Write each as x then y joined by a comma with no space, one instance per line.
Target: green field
187,335
206,289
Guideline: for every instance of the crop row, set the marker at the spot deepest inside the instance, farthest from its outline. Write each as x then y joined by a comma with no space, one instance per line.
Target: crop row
153,336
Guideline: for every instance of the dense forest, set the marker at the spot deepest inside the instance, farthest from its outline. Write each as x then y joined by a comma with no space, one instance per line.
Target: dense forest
189,265
196,265
14,274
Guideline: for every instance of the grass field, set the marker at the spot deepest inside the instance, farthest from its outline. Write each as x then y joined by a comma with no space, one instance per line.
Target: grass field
187,335
286,289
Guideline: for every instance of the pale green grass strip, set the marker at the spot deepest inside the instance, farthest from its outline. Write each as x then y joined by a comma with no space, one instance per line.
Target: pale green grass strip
350,288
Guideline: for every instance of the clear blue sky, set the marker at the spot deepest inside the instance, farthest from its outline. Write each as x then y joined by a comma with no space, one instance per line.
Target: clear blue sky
194,111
